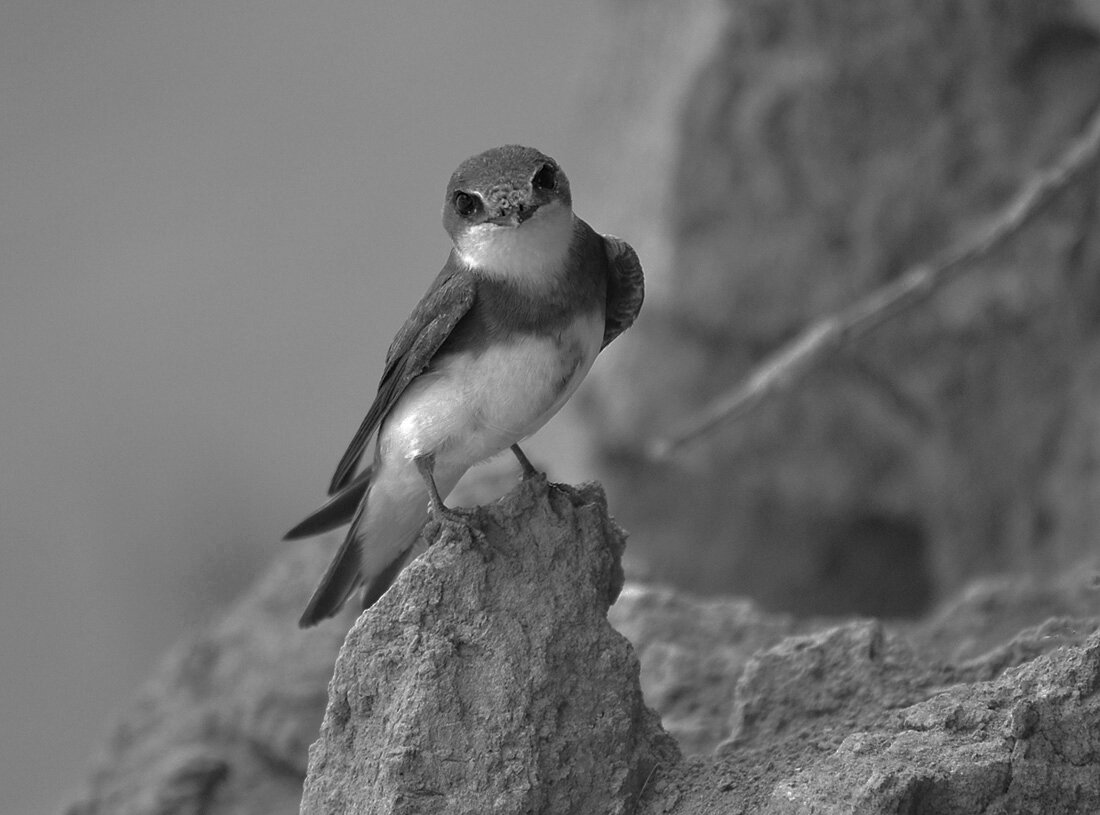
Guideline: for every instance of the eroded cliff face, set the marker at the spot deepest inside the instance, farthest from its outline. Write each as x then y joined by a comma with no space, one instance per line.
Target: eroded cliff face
944,716
773,162
489,680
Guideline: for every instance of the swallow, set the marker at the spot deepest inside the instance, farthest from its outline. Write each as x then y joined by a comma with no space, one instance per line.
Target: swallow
528,297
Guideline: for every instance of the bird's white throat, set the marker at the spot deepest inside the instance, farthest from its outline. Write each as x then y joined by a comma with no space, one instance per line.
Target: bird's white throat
531,250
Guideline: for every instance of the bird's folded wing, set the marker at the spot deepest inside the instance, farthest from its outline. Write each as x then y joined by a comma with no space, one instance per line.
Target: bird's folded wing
427,328
625,288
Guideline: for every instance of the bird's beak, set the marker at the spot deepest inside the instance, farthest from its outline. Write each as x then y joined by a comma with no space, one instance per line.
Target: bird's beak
514,216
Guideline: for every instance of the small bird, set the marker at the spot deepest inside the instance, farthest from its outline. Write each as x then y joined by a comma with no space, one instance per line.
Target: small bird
528,297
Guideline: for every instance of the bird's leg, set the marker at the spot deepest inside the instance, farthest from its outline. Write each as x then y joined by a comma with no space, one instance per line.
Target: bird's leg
436,508
529,470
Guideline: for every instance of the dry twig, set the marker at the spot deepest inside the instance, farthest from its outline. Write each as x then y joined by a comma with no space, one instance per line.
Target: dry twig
828,335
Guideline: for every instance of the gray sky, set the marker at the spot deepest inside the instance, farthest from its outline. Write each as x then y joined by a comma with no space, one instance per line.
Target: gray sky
213,217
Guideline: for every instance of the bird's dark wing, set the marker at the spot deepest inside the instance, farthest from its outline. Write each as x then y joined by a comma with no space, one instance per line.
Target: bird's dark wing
337,511
341,577
625,288
431,322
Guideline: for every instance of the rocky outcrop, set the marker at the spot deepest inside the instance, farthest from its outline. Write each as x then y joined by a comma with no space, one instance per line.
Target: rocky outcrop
937,717
489,680
690,649
1026,742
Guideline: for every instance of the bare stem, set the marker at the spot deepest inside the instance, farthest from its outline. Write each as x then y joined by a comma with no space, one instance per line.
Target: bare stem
823,338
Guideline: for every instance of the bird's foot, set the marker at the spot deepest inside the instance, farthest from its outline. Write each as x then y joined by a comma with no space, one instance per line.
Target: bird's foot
437,510
441,514
529,470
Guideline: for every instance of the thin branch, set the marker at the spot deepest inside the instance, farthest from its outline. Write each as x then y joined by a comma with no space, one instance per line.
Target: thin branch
826,336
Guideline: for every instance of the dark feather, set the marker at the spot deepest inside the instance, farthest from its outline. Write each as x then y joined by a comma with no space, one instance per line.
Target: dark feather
505,308
625,288
340,580
431,322
337,511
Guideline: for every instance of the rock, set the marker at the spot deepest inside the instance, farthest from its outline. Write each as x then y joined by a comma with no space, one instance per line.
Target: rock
224,726
493,650
793,705
816,688
1026,742
691,652
995,613
880,718
489,680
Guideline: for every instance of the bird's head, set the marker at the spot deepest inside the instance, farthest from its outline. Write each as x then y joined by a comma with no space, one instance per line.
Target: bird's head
509,212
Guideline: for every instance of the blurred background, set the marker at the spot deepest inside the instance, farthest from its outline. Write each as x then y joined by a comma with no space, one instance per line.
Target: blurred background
213,218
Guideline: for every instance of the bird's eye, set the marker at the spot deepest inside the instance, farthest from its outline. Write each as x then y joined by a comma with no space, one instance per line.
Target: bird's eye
546,178
465,204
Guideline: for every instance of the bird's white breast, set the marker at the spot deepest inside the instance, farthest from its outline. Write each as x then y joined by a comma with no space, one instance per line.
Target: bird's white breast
470,406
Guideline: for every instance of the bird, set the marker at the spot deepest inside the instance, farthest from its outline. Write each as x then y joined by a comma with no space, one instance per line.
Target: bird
528,296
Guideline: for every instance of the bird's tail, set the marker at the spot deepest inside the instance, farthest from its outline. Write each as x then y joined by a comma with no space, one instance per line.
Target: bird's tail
337,511
379,542
340,579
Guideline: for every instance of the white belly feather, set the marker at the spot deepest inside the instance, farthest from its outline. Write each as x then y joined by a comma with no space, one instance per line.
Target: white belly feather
470,407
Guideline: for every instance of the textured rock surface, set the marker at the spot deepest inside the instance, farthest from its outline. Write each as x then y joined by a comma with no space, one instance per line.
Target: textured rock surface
1026,742
856,719
988,705
491,681
690,649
